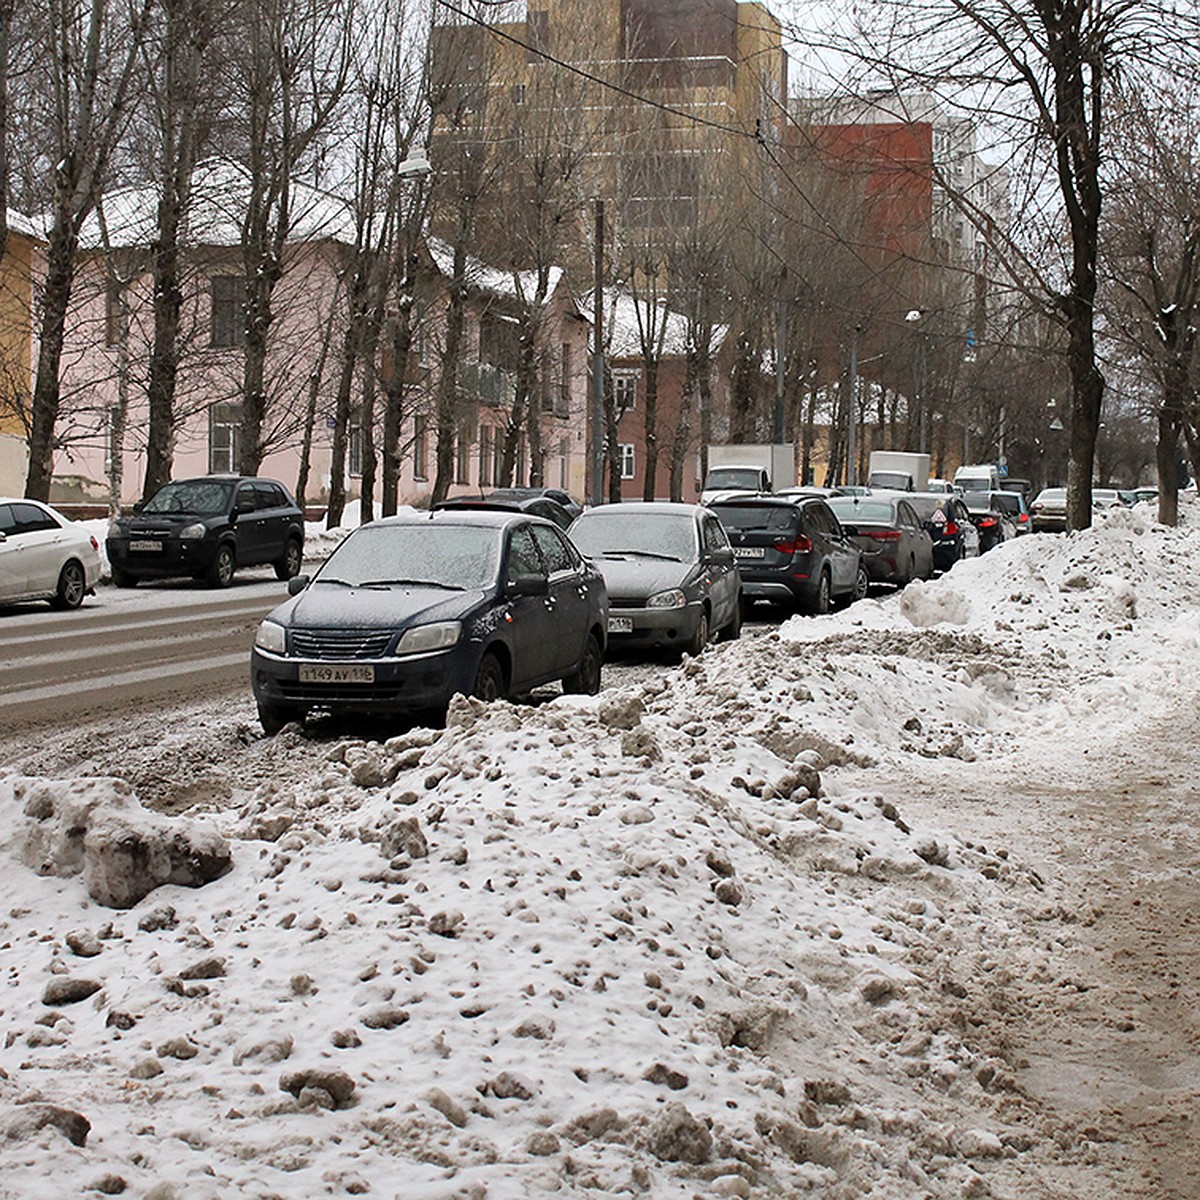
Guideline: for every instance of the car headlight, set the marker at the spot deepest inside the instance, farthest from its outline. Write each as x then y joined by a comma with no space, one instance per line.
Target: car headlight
423,638
669,599
271,638
195,530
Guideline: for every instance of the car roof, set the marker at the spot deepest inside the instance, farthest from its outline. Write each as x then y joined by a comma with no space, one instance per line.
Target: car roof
493,518
646,506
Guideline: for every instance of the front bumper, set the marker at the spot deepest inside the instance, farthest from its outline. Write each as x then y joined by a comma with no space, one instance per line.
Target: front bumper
653,627
193,556
410,684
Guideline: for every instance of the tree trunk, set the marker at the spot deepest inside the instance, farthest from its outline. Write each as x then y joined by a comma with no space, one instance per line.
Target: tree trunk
446,412
367,424
56,297
650,481
351,344
394,392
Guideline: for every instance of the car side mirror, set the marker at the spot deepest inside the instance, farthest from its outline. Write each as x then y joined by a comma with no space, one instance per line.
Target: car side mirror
297,584
243,507
137,506
3,537
528,585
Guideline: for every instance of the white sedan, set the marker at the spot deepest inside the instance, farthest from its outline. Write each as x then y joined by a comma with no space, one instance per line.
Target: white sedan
43,556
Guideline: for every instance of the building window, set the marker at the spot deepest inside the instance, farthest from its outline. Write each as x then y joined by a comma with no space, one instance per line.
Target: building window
224,437
113,313
420,448
354,444
228,307
462,459
627,460
486,450
566,370
625,390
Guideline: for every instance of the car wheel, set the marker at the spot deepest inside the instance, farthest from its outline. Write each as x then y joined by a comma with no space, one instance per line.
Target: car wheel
123,579
489,680
699,638
288,567
733,630
823,600
274,717
72,586
862,581
586,680
220,574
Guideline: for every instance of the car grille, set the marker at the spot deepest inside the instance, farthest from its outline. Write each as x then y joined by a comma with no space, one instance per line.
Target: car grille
341,645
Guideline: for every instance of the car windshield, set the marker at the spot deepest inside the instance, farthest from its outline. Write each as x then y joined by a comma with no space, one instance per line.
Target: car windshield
761,518
201,497
437,555
601,534
746,478
854,508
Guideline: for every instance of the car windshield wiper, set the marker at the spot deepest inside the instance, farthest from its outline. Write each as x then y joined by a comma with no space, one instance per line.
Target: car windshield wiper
386,583
642,554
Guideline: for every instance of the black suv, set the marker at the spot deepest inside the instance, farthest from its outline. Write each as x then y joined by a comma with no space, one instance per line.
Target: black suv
792,551
411,609
207,528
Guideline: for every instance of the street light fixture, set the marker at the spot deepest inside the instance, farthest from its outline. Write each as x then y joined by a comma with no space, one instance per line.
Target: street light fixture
414,167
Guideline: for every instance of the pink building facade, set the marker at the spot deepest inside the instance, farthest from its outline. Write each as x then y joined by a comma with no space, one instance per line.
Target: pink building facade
111,330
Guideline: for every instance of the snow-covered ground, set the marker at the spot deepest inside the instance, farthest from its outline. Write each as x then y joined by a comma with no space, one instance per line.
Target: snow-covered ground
666,941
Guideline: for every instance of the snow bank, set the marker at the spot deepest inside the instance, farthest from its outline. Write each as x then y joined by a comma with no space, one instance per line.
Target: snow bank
655,942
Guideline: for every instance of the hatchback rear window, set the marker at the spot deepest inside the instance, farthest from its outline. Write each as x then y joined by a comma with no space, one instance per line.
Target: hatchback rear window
758,518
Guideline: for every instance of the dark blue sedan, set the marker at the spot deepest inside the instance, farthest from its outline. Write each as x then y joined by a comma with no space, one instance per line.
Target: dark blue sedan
410,610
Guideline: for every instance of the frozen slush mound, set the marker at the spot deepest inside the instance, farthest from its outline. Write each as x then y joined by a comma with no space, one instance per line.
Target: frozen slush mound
924,605
97,828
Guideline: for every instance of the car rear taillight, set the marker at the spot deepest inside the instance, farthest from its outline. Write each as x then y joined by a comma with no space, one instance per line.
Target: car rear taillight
95,544
881,535
798,545
1022,518
951,529
987,522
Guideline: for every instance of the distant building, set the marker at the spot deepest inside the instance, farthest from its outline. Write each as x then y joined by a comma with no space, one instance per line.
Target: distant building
303,357
16,350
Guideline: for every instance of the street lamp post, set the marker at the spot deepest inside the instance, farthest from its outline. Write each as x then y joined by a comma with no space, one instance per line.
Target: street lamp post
914,317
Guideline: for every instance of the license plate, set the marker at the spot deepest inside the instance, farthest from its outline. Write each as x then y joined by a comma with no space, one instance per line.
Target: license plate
336,673
748,552
620,624
145,544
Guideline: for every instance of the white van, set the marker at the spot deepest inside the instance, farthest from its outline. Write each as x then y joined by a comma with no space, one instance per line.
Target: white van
978,477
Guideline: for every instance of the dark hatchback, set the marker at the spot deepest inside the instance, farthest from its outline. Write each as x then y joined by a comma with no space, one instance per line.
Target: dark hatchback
990,519
895,545
207,528
792,551
948,522
410,610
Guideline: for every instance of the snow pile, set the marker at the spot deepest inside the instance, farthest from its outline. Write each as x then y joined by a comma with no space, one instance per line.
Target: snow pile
655,942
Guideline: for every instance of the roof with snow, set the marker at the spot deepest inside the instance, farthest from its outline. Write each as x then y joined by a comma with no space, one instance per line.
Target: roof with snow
504,285
625,317
220,198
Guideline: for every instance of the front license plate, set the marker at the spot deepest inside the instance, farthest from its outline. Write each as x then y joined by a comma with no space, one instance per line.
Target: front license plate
620,624
146,545
337,674
748,552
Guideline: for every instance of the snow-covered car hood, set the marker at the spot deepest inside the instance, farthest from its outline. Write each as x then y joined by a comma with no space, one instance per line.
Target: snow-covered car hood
325,606
638,578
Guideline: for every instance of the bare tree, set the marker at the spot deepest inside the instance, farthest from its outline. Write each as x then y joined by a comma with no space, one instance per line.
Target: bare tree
87,68
1154,262
1041,72
180,87
295,75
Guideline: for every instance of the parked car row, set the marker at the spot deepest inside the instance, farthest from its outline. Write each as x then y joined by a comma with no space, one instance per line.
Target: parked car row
498,596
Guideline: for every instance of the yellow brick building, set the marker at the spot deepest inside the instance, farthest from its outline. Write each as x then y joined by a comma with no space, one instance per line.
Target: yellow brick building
16,341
